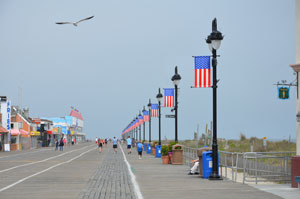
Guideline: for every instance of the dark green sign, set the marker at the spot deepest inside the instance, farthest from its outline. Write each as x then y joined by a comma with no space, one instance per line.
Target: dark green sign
283,92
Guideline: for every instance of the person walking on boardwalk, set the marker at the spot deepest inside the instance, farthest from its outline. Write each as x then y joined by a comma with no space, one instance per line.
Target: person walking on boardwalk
115,144
100,144
139,147
65,142
129,144
61,144
56,144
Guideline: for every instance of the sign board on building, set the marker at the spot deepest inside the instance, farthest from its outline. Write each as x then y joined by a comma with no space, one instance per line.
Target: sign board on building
3,98
6,147
283,92
170,116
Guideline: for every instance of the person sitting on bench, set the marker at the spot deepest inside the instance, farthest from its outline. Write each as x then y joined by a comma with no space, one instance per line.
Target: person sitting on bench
195,167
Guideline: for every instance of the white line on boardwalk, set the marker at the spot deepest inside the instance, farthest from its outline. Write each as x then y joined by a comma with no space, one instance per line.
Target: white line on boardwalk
23,165
25,153
135,184
26,178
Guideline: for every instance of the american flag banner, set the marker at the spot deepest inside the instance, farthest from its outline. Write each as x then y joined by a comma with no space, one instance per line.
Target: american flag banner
146,116
169,97
137,123
141,120
154,110
133,125
202,72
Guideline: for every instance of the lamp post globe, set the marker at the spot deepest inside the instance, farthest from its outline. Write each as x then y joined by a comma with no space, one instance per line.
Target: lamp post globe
215,36
176,77
208,41
159,96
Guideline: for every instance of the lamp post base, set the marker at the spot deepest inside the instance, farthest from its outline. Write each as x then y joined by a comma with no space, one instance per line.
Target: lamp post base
215,176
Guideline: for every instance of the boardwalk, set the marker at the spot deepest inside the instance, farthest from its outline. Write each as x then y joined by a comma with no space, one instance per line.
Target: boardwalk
110,180
82,172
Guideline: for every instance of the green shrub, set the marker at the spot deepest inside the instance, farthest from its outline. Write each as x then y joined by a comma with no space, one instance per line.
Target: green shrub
164,150
171,145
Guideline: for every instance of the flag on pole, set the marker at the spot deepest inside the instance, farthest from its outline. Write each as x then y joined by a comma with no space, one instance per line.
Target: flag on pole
202,72
146,116
137,124
141,120
154,110
169,97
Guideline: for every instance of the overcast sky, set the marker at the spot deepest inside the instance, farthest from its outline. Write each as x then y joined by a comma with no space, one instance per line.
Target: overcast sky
110,66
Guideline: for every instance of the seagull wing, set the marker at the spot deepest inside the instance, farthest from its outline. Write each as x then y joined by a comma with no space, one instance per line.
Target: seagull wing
60,23
85,19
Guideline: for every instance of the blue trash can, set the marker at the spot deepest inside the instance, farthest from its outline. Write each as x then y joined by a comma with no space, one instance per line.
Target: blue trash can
149,148
158,151
206,163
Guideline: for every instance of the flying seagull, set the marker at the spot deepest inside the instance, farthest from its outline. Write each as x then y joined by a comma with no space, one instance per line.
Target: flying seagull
75,23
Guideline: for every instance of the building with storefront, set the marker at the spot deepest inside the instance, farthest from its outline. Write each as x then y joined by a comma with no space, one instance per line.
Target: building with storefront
77,126
21,126
59,128
5,110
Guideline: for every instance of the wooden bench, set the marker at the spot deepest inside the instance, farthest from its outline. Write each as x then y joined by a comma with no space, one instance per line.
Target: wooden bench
297,179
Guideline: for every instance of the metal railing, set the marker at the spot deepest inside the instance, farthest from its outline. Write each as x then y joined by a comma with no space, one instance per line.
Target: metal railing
230,164
189,154
267,166
249,166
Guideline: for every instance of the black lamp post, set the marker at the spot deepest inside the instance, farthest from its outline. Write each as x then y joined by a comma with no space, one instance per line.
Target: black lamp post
149,106
144,125
140,127
214,42
136,130
176,79
133,130
159,97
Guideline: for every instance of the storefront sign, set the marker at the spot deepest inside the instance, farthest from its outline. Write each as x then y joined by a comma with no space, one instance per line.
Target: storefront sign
6,113
6,147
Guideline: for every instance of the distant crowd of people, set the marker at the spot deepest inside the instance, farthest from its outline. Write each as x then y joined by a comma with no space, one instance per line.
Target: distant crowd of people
131,143
62,142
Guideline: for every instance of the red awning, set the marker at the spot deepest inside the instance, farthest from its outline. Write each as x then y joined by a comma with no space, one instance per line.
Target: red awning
14,132
3,130
23,132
